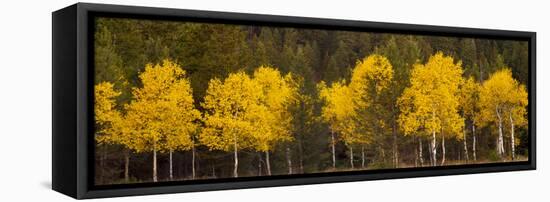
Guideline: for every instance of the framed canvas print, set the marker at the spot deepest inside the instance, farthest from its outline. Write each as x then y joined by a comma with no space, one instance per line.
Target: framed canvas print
153,100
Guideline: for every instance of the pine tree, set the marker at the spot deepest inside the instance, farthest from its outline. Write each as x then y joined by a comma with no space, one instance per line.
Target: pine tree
370,79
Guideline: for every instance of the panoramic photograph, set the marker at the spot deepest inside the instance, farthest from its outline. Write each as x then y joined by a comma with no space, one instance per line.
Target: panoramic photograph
183,101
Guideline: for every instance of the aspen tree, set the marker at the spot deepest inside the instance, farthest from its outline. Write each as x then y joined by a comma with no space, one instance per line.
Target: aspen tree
162,114
272,110
430,104
502,99
336,111
228,123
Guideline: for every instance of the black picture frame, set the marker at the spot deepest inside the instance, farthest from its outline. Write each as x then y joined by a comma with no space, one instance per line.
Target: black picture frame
72,127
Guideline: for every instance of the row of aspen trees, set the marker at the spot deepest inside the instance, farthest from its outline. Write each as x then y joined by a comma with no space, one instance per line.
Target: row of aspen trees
252,111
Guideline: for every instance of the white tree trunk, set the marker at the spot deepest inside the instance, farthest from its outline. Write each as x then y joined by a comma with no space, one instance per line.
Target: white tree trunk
430,152
333,144
154,162
512,139
474,141
289,160
171,168
442,149
466,145
362,156
500,141
434,149
415,152
420,156
351,157
236,158
268,166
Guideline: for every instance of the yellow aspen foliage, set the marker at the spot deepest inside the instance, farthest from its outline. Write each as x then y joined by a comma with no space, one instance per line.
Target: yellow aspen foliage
469,96
338,109
338,103
272,112
162,111
431,102
180,117
226,119
346,106
107,116
503,94
519,111
371,76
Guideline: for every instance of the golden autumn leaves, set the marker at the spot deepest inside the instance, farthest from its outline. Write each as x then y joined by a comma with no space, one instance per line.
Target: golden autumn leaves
439,101
240,112
345,103
253,111
430,105
436,104
503,100
244,112
160,118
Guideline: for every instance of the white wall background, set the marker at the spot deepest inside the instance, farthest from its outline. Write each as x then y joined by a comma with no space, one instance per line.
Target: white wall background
25,100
